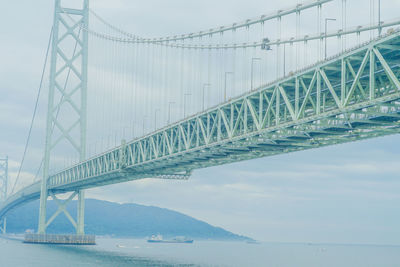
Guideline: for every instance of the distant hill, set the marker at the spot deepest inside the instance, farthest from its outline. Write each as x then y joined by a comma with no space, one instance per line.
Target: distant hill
120,220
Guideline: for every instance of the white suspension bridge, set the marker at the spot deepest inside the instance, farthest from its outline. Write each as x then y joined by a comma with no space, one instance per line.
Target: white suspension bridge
123,107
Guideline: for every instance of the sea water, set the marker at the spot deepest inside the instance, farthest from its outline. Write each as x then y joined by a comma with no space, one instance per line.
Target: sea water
134,252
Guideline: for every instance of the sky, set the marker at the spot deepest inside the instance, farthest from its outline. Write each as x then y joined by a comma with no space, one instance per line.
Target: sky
347,193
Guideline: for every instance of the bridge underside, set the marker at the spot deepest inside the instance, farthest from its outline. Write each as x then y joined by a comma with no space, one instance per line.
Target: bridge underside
351,97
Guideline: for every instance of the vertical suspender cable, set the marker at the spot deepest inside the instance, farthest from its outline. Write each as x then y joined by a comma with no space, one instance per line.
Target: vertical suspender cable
135,89
305,53
126,91
263,65
248,61
234,63
278,48
164,94
132,70
372,17
103,91
153,101
319,18
297,44
344,18
181,95
168,62
200,82
208,78
198,71
113,107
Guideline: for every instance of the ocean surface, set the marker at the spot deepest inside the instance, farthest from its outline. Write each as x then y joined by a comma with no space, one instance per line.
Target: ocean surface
134,252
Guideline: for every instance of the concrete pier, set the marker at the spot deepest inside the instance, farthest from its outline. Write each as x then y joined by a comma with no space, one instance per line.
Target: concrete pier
60,239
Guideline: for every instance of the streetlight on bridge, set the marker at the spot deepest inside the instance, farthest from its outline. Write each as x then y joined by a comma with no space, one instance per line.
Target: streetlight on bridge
169,111
379,18
252,68
144,120
226,74
326,32
133,130
155,118
204,87
184,104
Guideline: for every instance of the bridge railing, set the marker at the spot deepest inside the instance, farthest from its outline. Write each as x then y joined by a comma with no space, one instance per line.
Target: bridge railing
27,193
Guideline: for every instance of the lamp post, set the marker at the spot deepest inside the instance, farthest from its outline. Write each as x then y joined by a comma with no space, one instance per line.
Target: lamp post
155,118
226,74
252,68
326,30
169,111
284,59
133,130
344,19
144,119
379,18
124,132
204,88
95,147
108,141
184,104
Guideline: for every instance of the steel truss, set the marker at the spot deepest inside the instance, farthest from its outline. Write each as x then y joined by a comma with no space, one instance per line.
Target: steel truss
351,97
66,66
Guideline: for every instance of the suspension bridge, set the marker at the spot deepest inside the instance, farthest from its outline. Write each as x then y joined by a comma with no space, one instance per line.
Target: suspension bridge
123,107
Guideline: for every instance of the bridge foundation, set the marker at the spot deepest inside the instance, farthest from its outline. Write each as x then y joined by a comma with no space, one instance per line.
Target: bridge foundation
60,239
79,239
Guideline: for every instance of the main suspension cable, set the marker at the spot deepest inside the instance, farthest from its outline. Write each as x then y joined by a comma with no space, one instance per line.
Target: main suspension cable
34,111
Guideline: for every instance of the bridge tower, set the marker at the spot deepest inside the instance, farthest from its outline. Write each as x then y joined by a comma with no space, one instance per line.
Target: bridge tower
68,94
3,187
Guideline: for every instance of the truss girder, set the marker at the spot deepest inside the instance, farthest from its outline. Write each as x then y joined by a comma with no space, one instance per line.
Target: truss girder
345,99
352,97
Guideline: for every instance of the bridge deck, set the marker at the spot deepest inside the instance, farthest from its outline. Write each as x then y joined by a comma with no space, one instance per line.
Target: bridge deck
350,97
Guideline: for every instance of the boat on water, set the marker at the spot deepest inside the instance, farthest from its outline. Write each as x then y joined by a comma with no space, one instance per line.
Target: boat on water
178,239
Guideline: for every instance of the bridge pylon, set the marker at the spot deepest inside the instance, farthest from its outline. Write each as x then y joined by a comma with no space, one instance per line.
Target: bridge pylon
3,188
67,95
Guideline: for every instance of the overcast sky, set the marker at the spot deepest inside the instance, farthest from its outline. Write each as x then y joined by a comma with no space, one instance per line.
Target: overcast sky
345,193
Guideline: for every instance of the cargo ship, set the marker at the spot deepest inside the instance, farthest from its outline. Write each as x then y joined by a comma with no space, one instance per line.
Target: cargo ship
178,239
